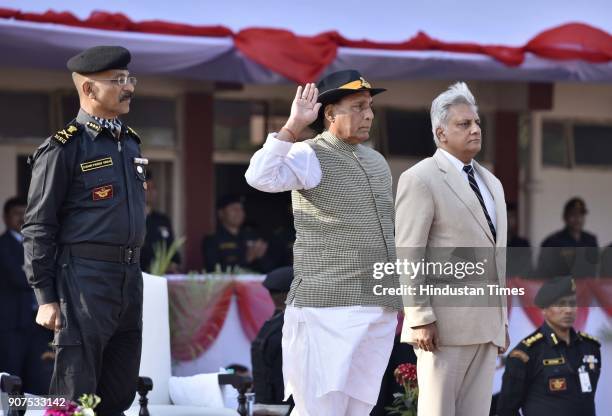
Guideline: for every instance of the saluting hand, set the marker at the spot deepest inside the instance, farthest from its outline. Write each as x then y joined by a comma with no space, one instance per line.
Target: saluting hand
304,110
49,316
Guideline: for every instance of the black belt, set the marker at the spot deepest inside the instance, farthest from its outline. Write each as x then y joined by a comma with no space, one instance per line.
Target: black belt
102,252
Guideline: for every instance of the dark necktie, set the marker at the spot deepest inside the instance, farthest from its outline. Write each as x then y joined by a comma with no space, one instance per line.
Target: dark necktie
474,185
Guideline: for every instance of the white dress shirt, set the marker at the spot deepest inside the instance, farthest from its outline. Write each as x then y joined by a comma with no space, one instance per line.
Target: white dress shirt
283,166
484,190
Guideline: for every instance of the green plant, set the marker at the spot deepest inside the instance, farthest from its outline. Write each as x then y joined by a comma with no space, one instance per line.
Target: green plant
162,256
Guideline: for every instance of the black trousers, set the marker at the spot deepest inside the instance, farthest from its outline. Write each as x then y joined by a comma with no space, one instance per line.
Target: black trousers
22,353
98,347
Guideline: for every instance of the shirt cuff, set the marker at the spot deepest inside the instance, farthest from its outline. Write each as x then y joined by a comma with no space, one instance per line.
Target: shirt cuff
277,147
45,295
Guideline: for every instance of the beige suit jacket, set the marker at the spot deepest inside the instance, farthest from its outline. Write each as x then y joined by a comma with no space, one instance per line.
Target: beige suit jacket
435,207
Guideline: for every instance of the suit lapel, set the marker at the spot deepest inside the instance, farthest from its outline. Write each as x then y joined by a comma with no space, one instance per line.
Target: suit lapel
461,188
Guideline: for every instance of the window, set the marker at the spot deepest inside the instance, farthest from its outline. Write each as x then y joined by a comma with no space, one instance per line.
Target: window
409,133
153,118
24,115
570,143
592,145
554,144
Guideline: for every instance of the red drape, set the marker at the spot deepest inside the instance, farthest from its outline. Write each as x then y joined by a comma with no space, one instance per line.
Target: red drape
304,58
254,306
198,309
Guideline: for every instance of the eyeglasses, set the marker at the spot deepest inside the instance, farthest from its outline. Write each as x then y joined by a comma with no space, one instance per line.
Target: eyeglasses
121,80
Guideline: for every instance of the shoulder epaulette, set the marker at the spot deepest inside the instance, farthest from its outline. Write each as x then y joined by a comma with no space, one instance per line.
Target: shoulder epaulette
589,337
529,341
133,134
65,134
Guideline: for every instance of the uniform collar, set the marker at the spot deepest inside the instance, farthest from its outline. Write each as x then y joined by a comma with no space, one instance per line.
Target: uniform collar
551,337
338,143
92,126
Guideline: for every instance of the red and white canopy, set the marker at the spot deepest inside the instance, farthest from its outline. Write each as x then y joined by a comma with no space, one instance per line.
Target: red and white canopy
274,41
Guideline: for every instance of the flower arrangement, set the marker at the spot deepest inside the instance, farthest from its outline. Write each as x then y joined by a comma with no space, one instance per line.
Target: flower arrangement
405,404
86,406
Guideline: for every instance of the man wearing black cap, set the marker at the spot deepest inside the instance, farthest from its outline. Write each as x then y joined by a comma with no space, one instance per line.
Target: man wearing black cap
337,334
570,250
234,245
84,226
266,353
555,369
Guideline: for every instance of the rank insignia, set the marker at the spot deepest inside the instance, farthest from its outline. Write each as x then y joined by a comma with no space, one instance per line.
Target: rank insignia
96,164
102,192
557,384
94,126
65,134
532,339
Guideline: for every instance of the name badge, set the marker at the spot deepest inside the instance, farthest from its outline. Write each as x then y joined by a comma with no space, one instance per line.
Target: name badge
585,380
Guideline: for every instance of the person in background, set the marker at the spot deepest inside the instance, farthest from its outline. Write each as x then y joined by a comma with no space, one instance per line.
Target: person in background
234,245
159,231
24,348
519,260
555,369
570,251
266,349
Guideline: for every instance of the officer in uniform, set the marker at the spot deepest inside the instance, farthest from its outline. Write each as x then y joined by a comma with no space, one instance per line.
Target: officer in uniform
84,226
570,251
266,352
554,370
159,232
234,245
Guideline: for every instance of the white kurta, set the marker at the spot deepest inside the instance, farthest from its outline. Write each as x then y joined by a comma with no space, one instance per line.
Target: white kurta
333,358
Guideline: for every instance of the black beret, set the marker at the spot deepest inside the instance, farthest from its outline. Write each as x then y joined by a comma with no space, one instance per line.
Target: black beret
279,280
229,199
98,59
555,289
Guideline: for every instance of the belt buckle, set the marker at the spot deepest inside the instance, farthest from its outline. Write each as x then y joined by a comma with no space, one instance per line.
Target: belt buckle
128,255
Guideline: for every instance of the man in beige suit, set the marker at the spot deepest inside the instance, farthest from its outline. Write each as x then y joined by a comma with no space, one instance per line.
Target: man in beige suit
445,202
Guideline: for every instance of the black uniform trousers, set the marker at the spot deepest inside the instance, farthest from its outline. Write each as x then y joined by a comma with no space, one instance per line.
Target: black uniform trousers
98,347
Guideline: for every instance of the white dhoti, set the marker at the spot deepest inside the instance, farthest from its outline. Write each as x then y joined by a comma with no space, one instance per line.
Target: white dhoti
334,358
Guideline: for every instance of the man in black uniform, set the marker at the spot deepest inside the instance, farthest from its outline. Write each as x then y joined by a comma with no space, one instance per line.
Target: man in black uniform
570,251
266,352
159,231
24,346
84,226
554,370
234,245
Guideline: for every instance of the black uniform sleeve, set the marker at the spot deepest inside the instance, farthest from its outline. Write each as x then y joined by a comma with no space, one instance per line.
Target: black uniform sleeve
51,177
514,384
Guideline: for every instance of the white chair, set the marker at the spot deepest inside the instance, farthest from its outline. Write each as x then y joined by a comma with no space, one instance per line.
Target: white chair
156,360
